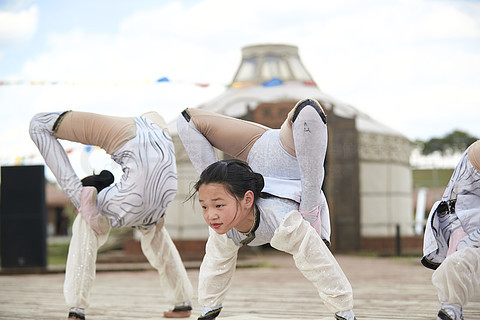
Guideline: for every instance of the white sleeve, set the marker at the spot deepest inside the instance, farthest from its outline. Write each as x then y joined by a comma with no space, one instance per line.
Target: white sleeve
217,269
199,150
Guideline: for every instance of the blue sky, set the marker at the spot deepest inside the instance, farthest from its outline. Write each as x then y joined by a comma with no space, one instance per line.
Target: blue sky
411,64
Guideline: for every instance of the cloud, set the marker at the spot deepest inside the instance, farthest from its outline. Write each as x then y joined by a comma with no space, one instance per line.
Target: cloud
17,27
411,65
203,41
447,21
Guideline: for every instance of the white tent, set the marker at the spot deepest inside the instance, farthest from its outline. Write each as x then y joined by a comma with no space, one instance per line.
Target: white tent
272,78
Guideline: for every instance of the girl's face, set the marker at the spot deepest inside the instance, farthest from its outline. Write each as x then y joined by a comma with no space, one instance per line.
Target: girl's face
221,210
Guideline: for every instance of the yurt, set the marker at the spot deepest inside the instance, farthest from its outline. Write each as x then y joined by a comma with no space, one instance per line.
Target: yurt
368,180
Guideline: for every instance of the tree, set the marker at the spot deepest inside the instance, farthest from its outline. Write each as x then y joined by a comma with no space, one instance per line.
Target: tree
457,141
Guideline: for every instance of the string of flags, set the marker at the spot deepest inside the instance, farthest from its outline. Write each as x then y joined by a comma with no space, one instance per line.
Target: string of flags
270,83
89,82
34,157
22,160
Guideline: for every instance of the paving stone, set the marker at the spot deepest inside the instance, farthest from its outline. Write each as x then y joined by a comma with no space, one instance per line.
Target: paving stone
265,286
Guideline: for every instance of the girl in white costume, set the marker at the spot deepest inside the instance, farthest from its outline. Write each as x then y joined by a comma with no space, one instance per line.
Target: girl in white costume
293,217
144,150
452,238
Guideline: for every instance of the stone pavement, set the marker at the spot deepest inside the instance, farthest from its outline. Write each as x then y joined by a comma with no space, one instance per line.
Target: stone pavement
265,286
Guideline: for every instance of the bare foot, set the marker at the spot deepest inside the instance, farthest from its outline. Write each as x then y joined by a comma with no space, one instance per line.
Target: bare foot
177,314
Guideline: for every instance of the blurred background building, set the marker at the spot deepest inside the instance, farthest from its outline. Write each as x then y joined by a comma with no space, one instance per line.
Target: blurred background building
368,177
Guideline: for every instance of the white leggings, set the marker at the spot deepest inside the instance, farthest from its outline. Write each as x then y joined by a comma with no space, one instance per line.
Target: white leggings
315,261
294,236
458,278
157,246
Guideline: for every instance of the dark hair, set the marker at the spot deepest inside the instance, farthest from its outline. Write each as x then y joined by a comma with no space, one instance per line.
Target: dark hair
235,175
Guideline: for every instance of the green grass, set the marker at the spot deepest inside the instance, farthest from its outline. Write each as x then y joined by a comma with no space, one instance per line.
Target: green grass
413,260
431,178
57,253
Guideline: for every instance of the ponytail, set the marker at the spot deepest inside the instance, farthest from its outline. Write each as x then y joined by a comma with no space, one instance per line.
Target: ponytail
259,184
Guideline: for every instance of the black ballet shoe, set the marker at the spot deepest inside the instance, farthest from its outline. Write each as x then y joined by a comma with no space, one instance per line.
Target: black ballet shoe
99,181
211,315
309,102
75,316
444,315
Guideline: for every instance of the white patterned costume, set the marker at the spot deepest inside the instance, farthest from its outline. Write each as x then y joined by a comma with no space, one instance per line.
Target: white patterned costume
293,219
452,237
149,182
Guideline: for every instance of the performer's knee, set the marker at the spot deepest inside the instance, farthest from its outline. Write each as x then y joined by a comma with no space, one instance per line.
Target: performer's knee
458,263
156,118
312,103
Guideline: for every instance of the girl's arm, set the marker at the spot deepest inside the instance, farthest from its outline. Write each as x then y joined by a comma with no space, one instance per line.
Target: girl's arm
216,272
199,149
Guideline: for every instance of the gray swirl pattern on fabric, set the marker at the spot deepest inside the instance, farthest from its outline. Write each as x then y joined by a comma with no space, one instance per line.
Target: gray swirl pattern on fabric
149,181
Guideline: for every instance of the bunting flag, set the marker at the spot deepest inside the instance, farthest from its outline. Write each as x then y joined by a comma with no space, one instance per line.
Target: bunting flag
74,83
21,160
270,83
31,158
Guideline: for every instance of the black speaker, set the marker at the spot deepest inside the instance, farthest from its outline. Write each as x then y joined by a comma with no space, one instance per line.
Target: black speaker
23,219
